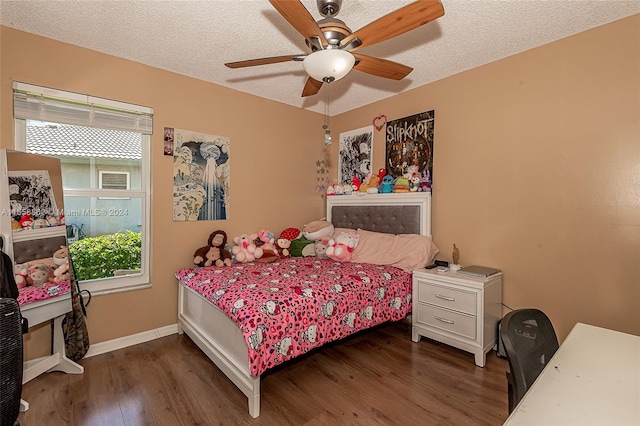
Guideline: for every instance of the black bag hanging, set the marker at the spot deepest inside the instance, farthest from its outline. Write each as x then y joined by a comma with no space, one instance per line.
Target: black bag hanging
74,326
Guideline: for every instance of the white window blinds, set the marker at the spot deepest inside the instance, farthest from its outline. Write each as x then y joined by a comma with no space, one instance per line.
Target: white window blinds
44,104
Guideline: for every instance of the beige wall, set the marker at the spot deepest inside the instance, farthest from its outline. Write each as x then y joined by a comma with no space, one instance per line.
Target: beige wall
273,152
537,172
536,168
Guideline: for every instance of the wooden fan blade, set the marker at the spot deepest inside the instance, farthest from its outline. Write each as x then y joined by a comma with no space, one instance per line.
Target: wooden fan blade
381,67
265,61
299,17
311,87
395,23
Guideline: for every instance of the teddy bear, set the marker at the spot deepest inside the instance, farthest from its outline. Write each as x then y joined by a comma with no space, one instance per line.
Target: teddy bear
340,249
39,274
244,249
215,252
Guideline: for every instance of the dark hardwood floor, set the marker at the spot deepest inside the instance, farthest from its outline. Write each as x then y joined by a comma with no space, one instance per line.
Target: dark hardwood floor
376,377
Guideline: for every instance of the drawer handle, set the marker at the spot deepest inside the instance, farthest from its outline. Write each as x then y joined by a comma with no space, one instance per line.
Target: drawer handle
445,320
450,299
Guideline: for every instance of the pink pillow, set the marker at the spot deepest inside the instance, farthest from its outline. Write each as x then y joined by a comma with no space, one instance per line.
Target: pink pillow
405,251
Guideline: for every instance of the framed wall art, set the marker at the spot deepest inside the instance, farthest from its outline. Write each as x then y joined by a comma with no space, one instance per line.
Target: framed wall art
409,142
355,156
201,178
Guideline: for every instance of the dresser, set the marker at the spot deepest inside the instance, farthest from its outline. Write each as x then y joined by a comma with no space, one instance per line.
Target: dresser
458,310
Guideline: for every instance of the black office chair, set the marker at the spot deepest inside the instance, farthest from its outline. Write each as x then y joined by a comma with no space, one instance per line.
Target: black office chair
529,341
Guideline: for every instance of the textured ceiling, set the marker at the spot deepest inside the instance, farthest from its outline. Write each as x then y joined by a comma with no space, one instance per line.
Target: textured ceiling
196,38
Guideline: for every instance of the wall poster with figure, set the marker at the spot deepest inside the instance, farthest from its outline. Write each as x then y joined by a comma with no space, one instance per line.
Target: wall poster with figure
355,157
31,197
410,143
201,178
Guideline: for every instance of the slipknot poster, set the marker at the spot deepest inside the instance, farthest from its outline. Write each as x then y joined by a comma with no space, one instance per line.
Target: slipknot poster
410,143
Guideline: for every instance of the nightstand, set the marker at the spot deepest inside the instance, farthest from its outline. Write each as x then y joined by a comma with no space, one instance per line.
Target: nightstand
458,310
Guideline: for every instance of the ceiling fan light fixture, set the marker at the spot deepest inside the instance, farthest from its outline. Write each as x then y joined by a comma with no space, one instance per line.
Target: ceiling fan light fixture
328,65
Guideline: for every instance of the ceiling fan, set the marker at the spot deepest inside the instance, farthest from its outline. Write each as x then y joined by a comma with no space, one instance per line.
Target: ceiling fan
332,42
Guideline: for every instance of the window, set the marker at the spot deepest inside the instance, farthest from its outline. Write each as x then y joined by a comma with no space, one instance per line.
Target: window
104,149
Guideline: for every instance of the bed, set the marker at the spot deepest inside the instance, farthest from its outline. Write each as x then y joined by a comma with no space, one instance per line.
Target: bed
248,318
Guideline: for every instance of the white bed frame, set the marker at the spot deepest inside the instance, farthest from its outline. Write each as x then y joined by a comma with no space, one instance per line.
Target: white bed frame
222,340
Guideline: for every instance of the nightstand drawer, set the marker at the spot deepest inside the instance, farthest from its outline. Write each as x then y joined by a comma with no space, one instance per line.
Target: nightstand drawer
447,297
446,320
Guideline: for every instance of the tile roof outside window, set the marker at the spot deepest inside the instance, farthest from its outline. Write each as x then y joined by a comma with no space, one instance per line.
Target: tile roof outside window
79,141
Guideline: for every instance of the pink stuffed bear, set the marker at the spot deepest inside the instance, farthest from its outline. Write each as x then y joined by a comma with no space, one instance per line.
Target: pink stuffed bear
340,249
245,250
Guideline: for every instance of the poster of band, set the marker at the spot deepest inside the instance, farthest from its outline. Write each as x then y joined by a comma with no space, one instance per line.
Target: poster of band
356,148
409,142
200,176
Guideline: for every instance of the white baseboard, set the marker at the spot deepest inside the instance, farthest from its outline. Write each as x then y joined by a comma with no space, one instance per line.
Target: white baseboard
134,339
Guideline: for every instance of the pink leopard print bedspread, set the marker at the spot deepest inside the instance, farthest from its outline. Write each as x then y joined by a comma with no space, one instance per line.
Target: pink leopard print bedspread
34,293
288,307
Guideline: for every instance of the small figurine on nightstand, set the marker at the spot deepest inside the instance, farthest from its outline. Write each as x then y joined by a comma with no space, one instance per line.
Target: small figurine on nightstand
456,257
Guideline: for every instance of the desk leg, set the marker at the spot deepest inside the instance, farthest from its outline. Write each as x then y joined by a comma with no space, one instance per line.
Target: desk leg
64,364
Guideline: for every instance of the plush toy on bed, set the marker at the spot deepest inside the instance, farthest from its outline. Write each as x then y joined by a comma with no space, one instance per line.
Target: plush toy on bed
61,259
285,240
317,229
61,273
244,249
320,247
341,248
39,274
20,274
266,241
215,252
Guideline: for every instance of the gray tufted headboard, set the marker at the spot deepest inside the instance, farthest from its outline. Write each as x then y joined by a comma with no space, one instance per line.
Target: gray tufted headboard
406,213
24,251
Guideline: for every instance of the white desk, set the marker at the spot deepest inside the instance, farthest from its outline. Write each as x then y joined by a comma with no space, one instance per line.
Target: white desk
593,379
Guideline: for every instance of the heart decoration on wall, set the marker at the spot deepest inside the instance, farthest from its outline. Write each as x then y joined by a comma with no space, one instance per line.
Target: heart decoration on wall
379,121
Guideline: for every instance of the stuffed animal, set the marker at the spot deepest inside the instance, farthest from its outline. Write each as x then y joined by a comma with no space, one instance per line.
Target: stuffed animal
283,243
302,247
401,184
61,273
215,252
340,249
40,274
244,249
374,183
40,223
317,229
26,221
20,274
320,248
425,182
414,183
61,255
266,242
386,186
